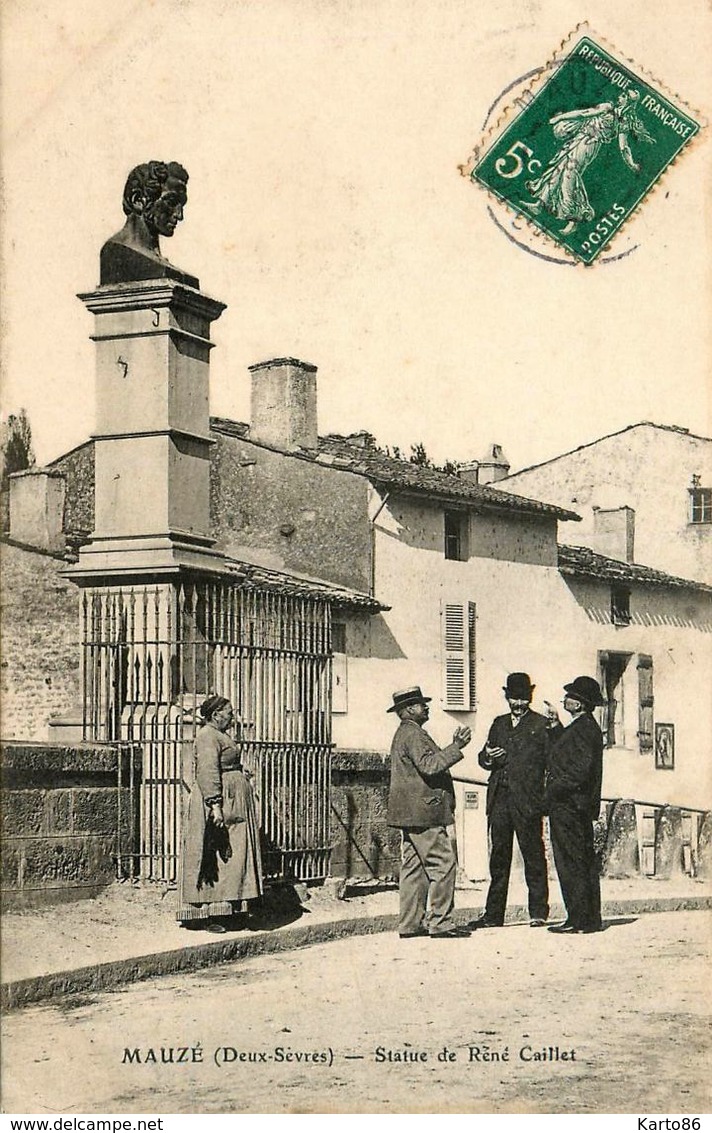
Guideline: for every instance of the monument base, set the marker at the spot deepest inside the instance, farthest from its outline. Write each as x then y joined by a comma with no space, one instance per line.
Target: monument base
144,556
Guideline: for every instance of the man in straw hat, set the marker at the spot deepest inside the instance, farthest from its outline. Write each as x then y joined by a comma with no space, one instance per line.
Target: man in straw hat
515,756
573,801
421,803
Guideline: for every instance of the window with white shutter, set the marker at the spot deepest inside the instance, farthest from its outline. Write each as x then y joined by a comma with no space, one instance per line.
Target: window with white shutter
339,670
458,621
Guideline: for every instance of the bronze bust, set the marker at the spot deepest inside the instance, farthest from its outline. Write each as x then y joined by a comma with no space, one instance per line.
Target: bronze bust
155,195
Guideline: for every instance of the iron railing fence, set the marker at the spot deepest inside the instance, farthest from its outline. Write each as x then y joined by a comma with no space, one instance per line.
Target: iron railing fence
152,653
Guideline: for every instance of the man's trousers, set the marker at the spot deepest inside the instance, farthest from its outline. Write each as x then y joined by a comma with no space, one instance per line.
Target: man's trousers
576,865
427,880
504,821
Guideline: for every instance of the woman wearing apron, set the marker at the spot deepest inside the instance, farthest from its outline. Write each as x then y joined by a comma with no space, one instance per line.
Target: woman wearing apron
221,864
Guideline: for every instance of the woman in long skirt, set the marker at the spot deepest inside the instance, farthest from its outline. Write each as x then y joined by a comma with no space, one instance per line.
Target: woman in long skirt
221,864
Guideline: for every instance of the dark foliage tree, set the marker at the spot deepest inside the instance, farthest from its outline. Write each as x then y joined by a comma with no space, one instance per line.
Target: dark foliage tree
17,454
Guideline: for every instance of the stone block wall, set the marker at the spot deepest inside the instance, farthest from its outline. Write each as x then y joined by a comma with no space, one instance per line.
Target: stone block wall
64,820
39,625
363,845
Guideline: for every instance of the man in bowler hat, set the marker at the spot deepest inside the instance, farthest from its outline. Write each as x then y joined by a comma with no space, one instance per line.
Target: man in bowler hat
421,803
515,756
573,802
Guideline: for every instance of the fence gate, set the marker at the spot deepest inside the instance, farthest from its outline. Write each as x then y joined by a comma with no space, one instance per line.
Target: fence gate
152,653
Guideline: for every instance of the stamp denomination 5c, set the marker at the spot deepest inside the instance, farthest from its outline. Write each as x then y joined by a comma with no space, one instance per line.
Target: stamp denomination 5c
589,145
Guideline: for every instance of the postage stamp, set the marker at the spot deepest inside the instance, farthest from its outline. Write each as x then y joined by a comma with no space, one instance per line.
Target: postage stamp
583,147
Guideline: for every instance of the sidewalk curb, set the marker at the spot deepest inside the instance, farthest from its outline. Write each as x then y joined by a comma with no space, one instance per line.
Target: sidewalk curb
191,958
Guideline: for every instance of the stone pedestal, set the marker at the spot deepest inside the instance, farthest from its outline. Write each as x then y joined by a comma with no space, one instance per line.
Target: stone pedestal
152,438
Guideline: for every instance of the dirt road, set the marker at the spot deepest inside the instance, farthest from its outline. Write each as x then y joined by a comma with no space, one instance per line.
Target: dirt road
512,1019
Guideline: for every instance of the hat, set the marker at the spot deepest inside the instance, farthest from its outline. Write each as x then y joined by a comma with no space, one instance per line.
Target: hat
586,690
519,686
408,696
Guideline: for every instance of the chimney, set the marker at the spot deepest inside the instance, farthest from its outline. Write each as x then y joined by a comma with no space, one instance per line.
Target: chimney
361,439
493,466
614,533
469,471
37,508
284,404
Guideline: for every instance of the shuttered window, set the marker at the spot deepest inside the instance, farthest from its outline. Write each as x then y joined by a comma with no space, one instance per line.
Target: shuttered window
458,623
645,702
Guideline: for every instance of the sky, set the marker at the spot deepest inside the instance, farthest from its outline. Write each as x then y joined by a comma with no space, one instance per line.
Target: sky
325,207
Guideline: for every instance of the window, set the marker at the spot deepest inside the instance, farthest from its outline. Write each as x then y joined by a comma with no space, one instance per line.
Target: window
622,722
700,505
620,605
612,668
456,535
458,624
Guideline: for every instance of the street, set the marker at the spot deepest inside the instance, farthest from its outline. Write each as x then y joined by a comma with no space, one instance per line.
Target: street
510,1020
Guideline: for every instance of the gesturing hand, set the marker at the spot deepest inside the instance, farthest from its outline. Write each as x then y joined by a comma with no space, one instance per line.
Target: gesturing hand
550,713
462,736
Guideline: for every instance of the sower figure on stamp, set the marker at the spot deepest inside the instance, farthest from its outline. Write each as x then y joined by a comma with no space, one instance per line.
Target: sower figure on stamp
573,802
515,756
421,803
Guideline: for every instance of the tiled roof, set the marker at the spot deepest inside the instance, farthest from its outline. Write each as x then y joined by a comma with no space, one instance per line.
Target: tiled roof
582,562
388,472
265,578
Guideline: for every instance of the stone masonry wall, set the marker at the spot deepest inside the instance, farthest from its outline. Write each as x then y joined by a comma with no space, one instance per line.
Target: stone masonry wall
64,819
78,468
39,654
363,844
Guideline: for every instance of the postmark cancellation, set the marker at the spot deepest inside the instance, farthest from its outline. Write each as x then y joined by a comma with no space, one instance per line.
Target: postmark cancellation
583,146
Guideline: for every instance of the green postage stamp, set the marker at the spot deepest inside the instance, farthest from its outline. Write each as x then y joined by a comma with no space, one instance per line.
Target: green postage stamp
590,143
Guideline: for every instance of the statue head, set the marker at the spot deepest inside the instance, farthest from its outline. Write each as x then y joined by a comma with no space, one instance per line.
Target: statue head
157,192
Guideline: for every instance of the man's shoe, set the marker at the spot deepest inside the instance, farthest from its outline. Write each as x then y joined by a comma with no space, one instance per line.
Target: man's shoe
451,934
566,928
537,922
483,922
410,935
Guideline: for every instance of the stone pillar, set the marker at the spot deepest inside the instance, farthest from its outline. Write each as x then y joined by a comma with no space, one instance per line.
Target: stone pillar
622,857
704,847
152,439
668,849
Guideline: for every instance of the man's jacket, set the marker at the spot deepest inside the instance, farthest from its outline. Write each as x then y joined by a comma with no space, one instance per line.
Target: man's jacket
523,768
575,767
422,793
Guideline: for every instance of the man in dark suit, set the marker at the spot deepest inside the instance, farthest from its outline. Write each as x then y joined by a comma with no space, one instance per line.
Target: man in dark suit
421,803
573,802
515,756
